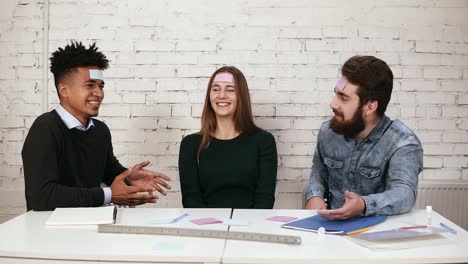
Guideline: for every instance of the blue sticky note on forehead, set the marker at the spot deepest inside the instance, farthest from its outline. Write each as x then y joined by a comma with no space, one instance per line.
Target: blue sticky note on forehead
96,74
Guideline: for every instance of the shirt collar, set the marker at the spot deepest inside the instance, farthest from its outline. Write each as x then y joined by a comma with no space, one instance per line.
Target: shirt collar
378,131
71,121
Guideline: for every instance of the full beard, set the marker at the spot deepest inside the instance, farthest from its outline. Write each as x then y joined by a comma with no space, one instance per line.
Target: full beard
348,128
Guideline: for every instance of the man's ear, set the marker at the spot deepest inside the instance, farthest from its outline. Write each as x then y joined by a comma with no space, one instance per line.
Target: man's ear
62,90
370,107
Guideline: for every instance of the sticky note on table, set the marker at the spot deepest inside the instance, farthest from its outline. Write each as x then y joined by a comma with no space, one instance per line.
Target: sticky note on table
236,222
205,221
168,246
283,219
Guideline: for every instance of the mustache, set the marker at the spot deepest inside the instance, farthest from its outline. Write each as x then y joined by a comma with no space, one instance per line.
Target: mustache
337,113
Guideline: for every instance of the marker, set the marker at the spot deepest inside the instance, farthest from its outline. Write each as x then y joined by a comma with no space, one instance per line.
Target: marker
448,228
179,218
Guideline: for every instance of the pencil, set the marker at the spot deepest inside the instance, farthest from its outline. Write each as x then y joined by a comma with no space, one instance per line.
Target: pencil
359,231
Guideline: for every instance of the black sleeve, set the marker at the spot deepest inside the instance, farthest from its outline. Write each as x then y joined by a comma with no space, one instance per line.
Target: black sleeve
188,174
113,166
266,185
40,154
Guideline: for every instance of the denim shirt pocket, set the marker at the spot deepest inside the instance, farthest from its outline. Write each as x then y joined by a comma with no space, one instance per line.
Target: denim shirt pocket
369,172
333,164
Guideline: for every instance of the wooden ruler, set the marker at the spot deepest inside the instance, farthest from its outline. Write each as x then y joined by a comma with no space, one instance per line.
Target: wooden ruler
192,232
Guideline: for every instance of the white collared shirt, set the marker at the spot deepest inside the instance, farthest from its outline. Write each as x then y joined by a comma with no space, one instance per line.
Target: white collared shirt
72,122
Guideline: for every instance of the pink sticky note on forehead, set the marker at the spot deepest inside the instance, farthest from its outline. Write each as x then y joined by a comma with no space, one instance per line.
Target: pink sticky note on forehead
341,84
224,77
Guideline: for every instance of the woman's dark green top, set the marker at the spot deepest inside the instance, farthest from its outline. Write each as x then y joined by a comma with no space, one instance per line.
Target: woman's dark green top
234,173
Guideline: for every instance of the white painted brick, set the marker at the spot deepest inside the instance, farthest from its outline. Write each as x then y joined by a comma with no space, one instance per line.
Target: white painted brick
454,60
167,97
429,112
308,123
454,85
442,73
183,123
296,161
295,149
465,174
197,110
155,71
181,110
155,45
294,32
154,109
273,123
146,148
194,71
288,201
294,84
441,174
182,84
436,124
195,45
421,59
114,110
163,135
420,85
463,99
135,85
289,174
311,97
296,110
455,162
261,97
133,98
438,149
432,162
427,136
263,110
462,123
461,149
11,122
371,32
452,33
455,111
435,98
296,135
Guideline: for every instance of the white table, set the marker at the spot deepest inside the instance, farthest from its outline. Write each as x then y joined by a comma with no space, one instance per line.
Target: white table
26,239
337,249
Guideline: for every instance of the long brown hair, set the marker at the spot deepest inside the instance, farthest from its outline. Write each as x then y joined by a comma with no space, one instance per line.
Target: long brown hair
243,119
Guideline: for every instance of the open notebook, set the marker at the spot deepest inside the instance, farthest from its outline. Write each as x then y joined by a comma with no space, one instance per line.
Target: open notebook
83,216
313,223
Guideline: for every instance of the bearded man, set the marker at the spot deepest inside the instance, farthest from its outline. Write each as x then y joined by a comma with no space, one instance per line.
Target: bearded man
364,162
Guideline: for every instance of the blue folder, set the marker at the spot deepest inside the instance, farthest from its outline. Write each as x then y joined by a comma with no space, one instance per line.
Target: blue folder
313,223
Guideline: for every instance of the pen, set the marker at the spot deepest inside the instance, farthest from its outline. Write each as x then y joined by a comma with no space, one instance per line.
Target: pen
448,228
412,227
114,217
179,218
358,231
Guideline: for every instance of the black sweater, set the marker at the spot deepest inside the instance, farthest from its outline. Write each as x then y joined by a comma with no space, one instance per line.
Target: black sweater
65,167
236,173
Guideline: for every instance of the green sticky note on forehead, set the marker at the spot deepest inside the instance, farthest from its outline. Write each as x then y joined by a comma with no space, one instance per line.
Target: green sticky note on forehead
96,74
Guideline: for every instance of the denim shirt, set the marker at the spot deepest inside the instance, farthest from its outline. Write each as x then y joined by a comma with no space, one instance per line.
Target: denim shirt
383,168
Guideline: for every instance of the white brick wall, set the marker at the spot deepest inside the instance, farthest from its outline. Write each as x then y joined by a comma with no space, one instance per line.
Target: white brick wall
164,51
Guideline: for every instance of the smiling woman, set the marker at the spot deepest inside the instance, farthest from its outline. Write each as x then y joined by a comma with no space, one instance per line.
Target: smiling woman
230,163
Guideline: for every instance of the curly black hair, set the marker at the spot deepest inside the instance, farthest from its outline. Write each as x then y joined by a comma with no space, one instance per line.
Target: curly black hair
74,55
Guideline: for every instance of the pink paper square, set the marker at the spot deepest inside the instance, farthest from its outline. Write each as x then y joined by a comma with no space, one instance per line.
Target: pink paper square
284,219
341,84
206,221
